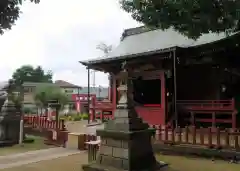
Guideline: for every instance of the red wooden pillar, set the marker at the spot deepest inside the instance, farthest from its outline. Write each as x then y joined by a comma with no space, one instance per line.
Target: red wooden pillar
163,93
114,91
110,88
92,108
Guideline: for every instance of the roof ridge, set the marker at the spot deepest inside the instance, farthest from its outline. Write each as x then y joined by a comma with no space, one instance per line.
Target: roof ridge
136,30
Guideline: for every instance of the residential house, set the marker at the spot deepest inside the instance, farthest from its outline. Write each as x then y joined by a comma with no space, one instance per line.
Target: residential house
101,92
67,87
30,89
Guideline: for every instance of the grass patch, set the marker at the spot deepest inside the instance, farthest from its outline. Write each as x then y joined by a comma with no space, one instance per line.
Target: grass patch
181,163
37,144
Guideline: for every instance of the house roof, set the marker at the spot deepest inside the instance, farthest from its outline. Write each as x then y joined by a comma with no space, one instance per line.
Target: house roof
103,93
65,84
58,83
35,84
143,41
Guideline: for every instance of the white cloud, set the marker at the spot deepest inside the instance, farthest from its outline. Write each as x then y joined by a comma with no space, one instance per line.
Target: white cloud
57,34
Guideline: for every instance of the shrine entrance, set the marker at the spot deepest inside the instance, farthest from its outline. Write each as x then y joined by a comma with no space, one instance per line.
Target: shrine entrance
149,96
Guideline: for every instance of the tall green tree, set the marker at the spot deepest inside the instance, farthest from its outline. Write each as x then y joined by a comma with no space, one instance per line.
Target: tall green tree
28,73
45,94
9,13
189,17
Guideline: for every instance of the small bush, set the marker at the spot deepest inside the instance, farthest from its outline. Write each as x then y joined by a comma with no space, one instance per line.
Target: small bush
70,118
84,116
28,140
77,118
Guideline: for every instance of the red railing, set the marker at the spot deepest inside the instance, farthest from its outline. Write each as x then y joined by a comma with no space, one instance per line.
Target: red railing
203,137
216,108
213,105
43,122
193,107
206,137
188,137
100,108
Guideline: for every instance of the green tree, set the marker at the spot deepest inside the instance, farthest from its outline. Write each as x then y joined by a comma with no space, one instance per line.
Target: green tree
189,17
28,73
9,13
45,94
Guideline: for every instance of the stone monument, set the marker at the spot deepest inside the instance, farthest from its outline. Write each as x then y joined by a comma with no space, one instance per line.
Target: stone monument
10,118
125,140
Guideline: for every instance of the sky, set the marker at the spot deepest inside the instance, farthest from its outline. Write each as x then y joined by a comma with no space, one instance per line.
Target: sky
56,35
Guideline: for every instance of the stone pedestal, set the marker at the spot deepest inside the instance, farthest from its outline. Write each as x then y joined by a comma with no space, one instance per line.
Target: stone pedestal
126,140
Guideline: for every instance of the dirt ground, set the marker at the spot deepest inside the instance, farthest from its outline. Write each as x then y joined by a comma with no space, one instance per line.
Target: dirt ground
38,144
176,163
70,163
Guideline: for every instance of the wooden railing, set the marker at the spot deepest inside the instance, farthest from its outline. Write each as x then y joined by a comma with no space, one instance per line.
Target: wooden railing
216,108
43,122
189,136
56,137
205,137
100,108
207,104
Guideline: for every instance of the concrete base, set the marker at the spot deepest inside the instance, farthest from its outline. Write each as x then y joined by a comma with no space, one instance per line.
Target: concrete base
160,166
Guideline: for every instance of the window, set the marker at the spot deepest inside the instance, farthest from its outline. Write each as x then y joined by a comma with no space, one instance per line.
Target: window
68,91
147,91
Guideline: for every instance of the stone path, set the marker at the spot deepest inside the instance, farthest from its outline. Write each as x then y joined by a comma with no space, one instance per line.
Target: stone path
15,160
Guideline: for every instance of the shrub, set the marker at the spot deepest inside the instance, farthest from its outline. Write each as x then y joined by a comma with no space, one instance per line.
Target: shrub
28,140
77,118
84,116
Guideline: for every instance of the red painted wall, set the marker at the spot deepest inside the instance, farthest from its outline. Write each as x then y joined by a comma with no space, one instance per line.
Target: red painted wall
151,115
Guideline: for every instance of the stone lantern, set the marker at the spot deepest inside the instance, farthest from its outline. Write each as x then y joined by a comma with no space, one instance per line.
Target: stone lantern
125,140
10,118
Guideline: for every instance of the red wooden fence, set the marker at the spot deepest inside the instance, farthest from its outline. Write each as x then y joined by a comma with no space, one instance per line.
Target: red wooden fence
206,137
43,122
203,137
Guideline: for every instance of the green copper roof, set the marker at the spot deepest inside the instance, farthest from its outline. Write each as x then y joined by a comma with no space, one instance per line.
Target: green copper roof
139,41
